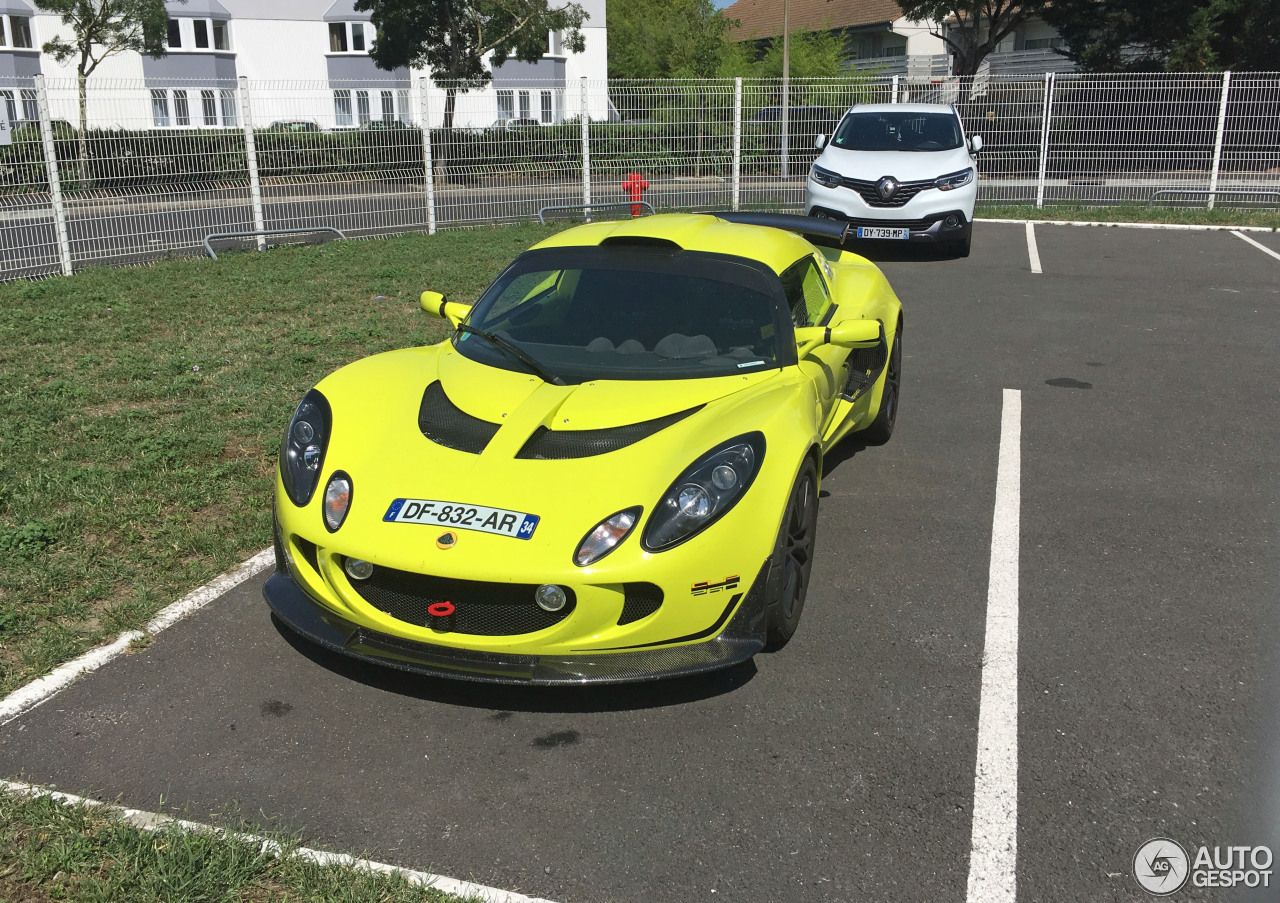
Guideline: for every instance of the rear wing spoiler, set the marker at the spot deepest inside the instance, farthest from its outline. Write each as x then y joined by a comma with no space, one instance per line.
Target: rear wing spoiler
826,231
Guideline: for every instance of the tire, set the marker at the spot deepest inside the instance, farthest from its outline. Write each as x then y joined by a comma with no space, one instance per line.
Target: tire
881,429
792,559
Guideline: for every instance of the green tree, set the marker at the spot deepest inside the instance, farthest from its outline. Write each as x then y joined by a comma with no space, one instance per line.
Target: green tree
451,37
972,28
666,39
102,29
1179,35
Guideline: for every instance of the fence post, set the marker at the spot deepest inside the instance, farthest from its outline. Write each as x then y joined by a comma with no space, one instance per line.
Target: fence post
55,183
737,141
1046,118
427,163
251,155
586,154
1217,144
895,90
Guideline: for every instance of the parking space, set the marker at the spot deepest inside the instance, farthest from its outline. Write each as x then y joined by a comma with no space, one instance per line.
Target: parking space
842,767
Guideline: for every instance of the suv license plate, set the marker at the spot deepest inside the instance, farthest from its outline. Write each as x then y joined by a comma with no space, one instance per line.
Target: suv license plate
882,232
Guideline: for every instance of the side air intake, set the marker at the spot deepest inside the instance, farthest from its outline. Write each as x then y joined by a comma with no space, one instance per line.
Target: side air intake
548,444
444,423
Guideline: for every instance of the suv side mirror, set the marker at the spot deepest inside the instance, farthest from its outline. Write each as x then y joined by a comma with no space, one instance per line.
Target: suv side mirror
819,141
975,143
437,305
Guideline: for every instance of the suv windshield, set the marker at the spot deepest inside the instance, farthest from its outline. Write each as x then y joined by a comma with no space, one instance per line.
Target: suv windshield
615,313
899,131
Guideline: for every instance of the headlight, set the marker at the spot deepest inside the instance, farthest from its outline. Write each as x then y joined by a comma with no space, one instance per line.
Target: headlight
302,452
954,180
605,537
704,492
825,177
337,500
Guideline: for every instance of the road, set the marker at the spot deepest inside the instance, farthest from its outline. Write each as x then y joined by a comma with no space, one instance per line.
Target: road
843,766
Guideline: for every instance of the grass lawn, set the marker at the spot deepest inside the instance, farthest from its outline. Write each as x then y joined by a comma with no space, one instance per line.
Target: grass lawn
1138,213
51,851
141,411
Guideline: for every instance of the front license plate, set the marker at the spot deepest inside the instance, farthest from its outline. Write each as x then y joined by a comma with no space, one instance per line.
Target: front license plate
515,524
882,232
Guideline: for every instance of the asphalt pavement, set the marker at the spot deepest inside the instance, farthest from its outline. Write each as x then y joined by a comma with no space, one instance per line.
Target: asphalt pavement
842,767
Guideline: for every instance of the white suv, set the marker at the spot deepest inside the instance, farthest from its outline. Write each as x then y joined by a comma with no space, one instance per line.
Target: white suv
900,172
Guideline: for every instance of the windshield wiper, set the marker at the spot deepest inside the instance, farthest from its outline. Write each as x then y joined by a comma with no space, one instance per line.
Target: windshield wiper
515,351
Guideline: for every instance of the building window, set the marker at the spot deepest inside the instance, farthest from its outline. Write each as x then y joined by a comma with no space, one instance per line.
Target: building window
357,36
229,117
548,112
506,105
526,111
362,107
342,107
160,109
350,37
1042,44
201,28
388,106
181,109
337,37
30,105
898,50
175,33
20,29
209,108
220,41
402,97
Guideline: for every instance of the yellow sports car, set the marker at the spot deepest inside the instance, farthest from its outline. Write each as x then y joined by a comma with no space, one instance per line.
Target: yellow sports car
609,472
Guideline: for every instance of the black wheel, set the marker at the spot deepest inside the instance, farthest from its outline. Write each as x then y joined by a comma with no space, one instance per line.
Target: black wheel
881,428
793,558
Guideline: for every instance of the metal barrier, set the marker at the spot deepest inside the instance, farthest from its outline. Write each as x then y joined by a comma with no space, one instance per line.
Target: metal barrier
1213,193
585,207
254,233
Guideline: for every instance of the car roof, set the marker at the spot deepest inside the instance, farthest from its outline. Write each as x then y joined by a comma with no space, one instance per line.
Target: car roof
903,108
775,248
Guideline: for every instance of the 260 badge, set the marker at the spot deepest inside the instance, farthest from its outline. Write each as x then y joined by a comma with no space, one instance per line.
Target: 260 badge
480,518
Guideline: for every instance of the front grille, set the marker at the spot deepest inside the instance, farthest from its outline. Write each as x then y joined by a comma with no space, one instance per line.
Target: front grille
444,423
867,190
641,600
548,444
480,607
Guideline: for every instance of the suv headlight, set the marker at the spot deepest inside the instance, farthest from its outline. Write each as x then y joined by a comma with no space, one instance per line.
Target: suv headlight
825,177
704,492
954,180
302,452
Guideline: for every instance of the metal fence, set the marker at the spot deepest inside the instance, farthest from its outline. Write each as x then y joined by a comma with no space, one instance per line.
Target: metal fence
160,166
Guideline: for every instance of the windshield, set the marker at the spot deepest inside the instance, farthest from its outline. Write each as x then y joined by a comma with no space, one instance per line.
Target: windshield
612,313
894,131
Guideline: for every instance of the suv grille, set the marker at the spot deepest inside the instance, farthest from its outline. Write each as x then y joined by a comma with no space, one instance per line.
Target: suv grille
867,190
480,608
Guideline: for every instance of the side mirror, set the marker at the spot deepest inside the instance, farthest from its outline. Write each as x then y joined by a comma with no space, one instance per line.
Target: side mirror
975,143
846,334
437,305
819,141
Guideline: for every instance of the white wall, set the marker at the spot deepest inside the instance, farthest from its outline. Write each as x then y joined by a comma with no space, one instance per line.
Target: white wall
919,41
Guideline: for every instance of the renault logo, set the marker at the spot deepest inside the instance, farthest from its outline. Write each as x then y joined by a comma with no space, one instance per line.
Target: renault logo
887,187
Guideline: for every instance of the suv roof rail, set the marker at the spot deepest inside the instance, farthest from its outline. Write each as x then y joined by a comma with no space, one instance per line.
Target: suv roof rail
829,229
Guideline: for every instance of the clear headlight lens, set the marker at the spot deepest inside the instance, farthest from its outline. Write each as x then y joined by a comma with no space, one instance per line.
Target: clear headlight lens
954,180
704,492
825,177
302,451
605,537
337,500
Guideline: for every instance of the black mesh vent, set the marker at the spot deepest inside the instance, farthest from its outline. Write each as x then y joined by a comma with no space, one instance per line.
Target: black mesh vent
445,424
641,600
906,191
557,444
865,365
480,608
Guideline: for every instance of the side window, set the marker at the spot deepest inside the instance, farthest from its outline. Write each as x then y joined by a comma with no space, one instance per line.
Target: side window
807,294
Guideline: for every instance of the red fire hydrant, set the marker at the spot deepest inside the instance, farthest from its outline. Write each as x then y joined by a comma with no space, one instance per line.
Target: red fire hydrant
635,186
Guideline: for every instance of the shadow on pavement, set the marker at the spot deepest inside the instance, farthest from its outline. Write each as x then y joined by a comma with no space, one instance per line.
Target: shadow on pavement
508,698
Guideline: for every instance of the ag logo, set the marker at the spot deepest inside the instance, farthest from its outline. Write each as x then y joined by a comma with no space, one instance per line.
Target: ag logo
887,187
1161,866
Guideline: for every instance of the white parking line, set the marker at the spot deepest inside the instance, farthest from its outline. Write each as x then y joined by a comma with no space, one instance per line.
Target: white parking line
1261,247
1032,251
153,821
993,856
41,690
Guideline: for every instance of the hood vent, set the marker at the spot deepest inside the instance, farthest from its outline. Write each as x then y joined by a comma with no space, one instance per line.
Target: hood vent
444,423
548,444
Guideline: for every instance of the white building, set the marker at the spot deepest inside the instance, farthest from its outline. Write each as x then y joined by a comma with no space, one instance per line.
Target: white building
307,61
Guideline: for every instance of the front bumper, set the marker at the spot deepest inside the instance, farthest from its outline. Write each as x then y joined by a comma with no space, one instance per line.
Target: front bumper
738,639
929,229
